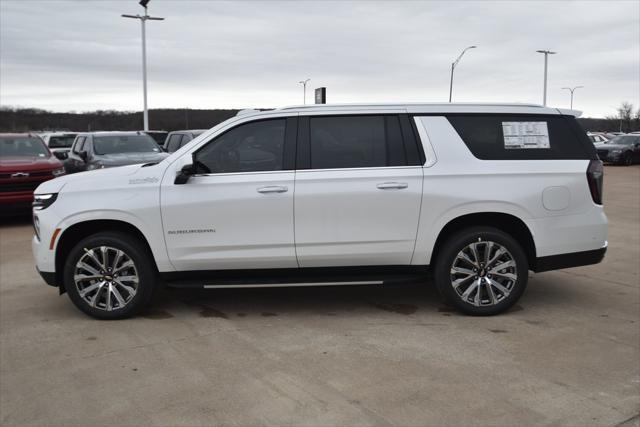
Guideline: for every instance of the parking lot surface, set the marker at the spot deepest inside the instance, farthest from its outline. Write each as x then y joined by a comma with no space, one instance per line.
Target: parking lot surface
567,354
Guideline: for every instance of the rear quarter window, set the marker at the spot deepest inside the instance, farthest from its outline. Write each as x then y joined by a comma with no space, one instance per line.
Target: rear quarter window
484,136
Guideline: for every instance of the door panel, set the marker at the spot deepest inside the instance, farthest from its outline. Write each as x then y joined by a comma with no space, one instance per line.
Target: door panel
223,221
350,217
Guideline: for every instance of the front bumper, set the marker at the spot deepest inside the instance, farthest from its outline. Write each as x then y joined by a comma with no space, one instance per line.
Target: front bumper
608,156
49,278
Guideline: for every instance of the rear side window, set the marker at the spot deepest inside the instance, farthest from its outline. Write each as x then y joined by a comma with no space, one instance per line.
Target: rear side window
523,137
355,142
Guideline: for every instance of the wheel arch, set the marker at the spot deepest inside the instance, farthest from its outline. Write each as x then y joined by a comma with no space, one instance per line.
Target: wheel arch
508,223
75,233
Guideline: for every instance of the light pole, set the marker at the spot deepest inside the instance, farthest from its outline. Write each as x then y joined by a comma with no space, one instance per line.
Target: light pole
143,19
304,90
544,91
571,89
453,66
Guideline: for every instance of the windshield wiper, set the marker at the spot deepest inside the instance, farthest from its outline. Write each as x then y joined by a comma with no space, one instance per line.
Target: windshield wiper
149,164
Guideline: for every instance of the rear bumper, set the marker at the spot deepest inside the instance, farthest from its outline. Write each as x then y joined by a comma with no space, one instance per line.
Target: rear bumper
574,259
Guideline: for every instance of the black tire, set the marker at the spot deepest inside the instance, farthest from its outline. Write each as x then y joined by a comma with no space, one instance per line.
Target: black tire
143,263
497,301
627,159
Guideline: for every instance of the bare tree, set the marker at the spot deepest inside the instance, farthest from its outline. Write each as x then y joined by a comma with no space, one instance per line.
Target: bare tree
625,113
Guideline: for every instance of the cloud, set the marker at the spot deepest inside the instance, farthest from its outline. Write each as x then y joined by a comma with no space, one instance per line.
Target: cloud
80,55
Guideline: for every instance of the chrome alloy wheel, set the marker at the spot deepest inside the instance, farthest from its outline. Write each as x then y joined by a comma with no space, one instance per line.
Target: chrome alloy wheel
483,273
106,278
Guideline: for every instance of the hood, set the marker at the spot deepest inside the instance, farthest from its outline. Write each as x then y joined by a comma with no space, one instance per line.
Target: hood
121,159
28,163
55,185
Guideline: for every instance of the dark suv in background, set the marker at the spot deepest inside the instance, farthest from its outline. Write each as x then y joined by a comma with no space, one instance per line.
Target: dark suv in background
623,149
99,150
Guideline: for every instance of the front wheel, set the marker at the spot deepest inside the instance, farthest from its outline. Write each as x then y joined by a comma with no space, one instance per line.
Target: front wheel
481,271
627,160
110,275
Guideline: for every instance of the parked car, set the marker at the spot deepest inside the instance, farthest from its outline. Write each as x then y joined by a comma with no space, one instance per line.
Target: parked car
25,162
179,138
59,143
597,138
159,136
334,195
623,149
99,150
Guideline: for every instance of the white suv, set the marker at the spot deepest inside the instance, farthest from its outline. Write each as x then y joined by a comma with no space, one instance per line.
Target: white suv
477,195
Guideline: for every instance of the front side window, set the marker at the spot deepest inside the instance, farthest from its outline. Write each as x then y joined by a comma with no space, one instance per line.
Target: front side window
250,147
79,144
355,142
173,142
16,146
113,144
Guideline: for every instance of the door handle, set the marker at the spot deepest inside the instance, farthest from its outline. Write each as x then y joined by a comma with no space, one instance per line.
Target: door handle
392,185
273,189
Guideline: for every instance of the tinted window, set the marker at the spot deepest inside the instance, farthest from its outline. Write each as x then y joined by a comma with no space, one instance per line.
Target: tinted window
251,147
22,147
113,144
355,142
484,136
173,143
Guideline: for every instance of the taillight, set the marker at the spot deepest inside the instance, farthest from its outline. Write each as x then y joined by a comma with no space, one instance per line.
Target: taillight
595,174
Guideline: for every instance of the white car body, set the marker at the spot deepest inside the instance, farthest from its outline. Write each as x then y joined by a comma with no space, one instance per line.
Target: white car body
297,219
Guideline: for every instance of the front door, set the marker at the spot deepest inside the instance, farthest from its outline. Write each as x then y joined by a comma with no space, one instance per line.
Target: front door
237,211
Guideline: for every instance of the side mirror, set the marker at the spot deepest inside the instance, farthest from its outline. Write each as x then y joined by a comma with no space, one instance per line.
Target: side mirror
185,173
83,155
60,155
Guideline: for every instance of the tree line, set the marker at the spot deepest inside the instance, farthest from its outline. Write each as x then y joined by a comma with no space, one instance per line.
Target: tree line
33,120
626,119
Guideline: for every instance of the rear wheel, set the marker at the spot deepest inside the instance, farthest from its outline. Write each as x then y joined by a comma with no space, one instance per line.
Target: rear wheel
110,275
481,271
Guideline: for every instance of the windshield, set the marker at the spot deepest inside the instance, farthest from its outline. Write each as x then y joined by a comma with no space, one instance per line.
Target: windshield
17,146
625,140
63,141
124,144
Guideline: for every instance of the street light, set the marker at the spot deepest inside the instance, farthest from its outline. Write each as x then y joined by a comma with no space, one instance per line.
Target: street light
453,66
143,19
304,89
544,91
571,89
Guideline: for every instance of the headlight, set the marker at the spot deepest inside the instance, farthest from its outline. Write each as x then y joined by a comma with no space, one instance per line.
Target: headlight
57,172
616,151
43,201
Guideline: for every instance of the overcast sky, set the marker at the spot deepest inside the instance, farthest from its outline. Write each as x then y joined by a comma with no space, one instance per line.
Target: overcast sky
81,55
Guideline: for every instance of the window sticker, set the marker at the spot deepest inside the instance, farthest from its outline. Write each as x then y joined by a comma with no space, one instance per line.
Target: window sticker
524,135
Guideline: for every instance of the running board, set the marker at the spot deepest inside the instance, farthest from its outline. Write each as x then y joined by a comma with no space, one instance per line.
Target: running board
278,278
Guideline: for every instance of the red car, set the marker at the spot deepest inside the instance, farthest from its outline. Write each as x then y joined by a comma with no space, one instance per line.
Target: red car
25,162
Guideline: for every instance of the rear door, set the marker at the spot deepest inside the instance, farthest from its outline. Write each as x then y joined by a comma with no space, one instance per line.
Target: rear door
358,190
237,211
